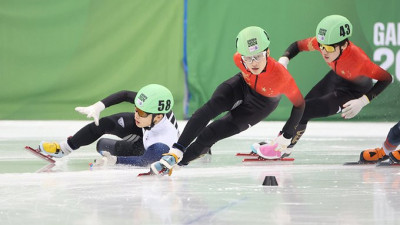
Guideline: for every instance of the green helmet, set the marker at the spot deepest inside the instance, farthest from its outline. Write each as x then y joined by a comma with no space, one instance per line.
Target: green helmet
333,29
154,98
252,40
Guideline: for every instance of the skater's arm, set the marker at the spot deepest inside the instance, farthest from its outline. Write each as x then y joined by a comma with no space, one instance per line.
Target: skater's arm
294,95
354,106
295,48
383,79
291,51
94,110
121,96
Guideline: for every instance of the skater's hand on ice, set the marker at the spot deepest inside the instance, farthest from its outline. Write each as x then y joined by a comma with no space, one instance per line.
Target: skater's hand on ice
353,107
106,160
282,143
92,111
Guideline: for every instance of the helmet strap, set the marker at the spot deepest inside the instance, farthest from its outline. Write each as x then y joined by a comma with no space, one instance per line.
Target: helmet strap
341,50
151,124
152,121
266,59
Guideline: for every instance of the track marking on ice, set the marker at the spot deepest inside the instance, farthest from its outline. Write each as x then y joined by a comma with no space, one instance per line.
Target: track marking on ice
214,212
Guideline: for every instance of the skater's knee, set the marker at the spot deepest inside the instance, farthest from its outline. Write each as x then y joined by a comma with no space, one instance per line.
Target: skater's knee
106,144
154,153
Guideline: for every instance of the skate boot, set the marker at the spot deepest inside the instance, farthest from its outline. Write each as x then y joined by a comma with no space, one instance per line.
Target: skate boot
269,152
256,146
159,169
54,149
373,155
395,156
168,161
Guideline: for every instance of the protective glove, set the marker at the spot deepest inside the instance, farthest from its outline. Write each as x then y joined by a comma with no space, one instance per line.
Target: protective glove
167,162
275,149
92,111
282,143
353,107
106,160
284,61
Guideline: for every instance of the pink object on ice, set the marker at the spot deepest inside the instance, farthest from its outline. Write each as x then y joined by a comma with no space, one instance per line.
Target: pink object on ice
268,151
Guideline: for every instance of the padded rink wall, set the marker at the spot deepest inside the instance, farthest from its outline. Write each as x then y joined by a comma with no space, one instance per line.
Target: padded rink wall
214,25
56,55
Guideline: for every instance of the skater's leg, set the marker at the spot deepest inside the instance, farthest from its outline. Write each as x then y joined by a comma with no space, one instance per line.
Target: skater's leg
152,154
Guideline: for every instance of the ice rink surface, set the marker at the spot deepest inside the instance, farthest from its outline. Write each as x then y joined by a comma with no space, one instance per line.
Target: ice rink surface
314,189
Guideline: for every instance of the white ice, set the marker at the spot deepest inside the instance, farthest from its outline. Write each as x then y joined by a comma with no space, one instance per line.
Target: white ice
314,189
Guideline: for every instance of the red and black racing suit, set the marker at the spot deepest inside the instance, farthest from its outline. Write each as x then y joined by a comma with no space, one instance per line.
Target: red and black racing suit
247,99
350,77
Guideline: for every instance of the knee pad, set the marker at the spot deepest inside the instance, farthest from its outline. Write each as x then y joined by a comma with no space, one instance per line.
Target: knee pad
106,144
130,147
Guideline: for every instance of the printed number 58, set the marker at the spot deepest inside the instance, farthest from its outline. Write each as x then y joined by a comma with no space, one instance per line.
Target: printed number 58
164,105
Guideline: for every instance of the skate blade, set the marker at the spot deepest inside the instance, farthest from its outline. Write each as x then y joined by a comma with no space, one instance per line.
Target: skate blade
145,174
152,174
260,159
357,163
37,153
390,163
246,154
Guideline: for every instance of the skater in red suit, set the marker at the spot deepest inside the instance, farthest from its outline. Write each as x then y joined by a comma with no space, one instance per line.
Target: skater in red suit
348,86
247,98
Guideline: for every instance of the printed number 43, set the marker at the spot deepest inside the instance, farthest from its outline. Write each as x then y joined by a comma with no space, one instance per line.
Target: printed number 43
345,30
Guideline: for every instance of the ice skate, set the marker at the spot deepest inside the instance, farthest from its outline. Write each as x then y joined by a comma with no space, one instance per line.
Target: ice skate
269,151
373,155
395,156
55,149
